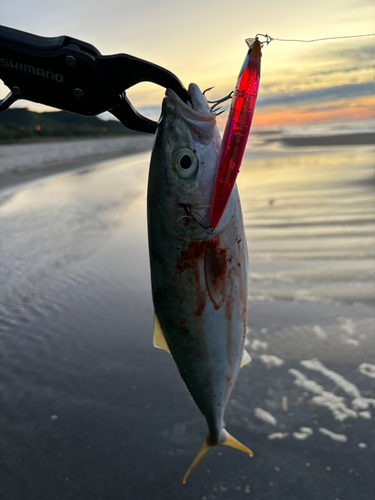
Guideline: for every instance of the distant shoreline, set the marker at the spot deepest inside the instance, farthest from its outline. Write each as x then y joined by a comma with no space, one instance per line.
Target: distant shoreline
352,139
132,145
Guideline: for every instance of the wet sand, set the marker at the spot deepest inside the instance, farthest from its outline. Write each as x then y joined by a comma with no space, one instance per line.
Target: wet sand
89,409
28,162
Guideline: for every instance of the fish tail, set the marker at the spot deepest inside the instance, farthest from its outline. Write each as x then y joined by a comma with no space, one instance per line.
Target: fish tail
229,440
205,447
225,439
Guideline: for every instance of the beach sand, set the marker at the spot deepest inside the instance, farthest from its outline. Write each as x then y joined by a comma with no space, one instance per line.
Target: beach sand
29,161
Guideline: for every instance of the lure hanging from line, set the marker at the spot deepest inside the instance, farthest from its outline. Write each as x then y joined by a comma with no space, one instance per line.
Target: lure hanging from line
236,131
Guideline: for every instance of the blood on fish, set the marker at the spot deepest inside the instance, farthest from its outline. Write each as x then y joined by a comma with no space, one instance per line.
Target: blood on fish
183,326
216,272
229,308
210,258
190,261
201,307
188,258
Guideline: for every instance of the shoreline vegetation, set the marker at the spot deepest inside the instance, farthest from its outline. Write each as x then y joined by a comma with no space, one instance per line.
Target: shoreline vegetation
19,125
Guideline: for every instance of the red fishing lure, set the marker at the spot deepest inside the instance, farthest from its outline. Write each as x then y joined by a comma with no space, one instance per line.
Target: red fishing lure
236,132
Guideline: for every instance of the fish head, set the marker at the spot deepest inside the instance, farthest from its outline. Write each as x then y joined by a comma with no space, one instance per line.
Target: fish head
184,164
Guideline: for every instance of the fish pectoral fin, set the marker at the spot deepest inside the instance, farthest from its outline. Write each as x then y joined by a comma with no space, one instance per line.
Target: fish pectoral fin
202,451
215,268
246,359
229,440
159,339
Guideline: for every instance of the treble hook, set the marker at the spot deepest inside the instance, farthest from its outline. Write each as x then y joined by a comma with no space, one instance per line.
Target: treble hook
214,108
219,101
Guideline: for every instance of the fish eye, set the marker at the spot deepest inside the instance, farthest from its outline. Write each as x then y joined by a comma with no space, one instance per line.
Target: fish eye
186,163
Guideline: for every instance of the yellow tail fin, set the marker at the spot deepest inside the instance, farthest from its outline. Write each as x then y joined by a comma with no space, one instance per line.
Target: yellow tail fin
233,443
201,452
226,439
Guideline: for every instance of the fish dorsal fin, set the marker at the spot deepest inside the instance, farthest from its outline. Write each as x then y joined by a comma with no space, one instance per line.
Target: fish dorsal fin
159,339
246,358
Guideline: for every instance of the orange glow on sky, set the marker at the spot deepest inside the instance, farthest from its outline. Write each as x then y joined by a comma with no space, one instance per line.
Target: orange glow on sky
357,109
204,43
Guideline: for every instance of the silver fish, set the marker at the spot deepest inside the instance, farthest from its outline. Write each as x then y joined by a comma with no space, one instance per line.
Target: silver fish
199,275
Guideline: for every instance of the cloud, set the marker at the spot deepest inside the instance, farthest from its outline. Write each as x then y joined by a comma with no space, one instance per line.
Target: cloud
351,69
317,95
357,53
152,112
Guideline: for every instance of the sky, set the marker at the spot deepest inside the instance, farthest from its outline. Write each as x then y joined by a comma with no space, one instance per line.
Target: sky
203,41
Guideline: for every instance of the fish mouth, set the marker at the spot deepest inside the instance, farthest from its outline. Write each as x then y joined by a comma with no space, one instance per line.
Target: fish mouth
195,113
197,108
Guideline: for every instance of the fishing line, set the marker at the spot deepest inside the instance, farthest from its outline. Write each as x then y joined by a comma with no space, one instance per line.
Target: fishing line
269,39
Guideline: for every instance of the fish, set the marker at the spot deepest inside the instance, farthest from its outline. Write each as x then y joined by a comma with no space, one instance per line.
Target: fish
198,274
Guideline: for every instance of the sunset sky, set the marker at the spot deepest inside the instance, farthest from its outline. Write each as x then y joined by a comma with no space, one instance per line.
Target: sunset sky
203,42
